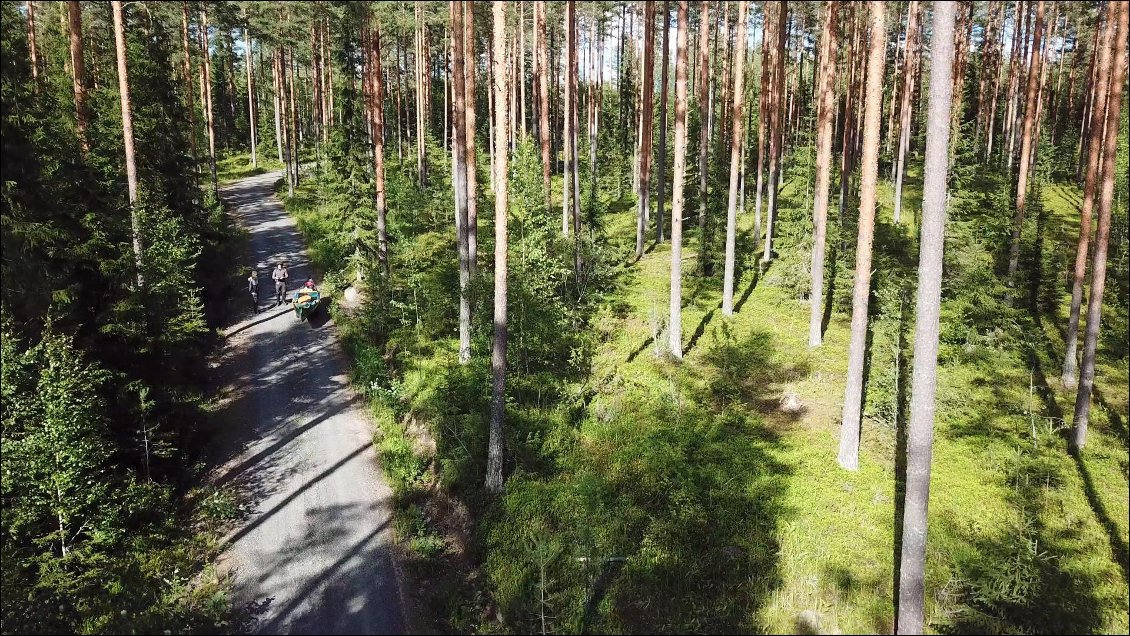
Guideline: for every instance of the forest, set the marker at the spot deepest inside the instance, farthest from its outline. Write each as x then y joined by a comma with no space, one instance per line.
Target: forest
806,329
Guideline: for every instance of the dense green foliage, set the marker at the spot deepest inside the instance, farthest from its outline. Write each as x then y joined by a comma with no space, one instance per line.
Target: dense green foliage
103,382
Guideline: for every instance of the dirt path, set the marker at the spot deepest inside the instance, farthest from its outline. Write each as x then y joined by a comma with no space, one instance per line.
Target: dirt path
314,550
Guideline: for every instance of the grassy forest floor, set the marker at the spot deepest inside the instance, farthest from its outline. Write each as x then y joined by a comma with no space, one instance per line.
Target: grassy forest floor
646,494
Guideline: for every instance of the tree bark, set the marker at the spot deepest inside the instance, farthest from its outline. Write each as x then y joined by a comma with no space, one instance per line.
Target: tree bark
574,113
735,165
498,351
647,87
543,96
990,69
186,67
662,185
1015,104
901,45
776,104
127,137
921,428
861,290
276,85
421,119
1026,144
1070,362
1120,12
469,156
78,71
459,147
292,111
567,132
33,52
250,92
675,324
907,105
209,113
703,138
378,116
824,109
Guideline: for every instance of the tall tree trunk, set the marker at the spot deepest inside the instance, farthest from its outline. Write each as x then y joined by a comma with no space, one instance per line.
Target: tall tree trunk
776,90
1098,263
448,96
762,115
1026,144
522,62
377,110
703,138
399,108
327,85
675,323
421,119
498,351
567,132
1044,64
295,138
276,85
1088,110
921,428
735,165
209,113
315,74
574,114
186,68
964,27
861,290
660,200
901,46
647,86
469,156
78,71
229,78
459,173
990,67
823,160
250,92
594,112
1070,362
1015,103
127,136
543,96
33,53
907,105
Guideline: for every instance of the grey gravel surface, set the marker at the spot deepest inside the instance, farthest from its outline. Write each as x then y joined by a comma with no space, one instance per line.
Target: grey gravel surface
313,553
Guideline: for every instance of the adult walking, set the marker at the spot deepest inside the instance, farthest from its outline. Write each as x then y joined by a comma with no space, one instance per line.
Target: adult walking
279,276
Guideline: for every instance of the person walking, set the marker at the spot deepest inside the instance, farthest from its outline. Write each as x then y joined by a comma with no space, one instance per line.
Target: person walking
253,289
279,276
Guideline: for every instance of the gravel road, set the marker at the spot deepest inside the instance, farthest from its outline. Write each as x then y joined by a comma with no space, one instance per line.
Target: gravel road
314,551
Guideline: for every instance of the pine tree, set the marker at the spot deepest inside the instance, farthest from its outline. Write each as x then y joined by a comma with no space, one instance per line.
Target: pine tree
823,167
662,185
703,135
861,290
735,167
647,86
920,432
78,70
1102,238
675,325
498,351
1026,143
1070,360
127,135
